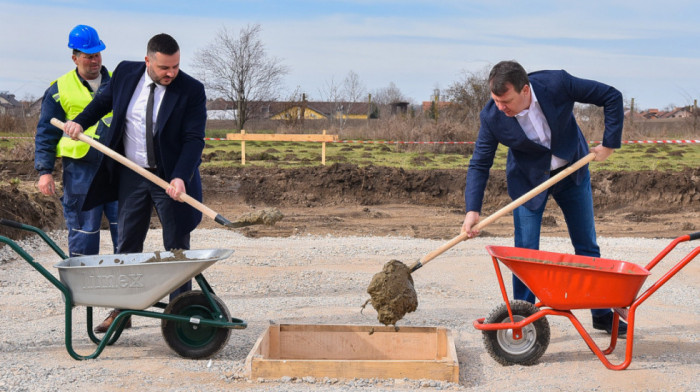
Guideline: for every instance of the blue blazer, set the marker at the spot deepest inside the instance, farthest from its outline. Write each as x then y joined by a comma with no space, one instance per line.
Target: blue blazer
179,135
528,163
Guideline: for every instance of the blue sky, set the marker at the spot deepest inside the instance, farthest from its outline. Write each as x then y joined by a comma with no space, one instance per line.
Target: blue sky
647,49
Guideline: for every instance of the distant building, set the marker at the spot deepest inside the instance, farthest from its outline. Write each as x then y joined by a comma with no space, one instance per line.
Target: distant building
684,112
656,114
9,105
221,109
313,110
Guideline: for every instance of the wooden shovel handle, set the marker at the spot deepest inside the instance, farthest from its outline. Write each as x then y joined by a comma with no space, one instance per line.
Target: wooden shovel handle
505,210
138,169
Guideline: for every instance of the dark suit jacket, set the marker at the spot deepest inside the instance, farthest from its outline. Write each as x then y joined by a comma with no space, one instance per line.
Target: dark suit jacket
528,163
179,135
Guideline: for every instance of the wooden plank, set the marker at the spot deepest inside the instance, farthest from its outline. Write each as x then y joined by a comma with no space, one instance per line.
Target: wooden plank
451,354
416,370
242,147
279,137
358,345
323,150
273,349
441,343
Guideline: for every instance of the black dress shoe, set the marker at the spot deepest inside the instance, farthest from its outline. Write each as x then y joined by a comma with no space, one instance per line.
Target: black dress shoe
605,322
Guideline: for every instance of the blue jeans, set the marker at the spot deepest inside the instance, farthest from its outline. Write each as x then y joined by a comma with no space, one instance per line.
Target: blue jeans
576,203
84,226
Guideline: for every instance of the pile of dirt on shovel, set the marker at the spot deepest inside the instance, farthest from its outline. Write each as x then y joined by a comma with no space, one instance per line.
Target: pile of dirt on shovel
392,293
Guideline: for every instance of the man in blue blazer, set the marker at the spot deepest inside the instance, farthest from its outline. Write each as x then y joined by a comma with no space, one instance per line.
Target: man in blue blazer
533,116
150,98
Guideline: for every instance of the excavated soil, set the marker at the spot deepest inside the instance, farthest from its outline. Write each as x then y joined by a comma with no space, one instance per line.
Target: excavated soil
344,200
392,293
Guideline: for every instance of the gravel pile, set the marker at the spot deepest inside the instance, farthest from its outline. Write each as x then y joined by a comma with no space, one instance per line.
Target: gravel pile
322,280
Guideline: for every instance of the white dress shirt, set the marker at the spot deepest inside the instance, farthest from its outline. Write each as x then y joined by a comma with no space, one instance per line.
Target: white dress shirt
135,134
535,125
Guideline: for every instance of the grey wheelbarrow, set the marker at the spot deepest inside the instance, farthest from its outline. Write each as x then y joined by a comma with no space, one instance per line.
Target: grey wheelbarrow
196,324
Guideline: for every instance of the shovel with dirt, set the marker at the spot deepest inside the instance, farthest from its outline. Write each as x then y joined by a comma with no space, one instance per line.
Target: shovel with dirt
267,216
392,293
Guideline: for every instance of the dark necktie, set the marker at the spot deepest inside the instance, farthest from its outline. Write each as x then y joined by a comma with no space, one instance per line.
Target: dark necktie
150,153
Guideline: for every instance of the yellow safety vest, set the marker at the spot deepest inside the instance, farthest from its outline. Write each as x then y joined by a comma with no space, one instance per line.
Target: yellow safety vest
74,97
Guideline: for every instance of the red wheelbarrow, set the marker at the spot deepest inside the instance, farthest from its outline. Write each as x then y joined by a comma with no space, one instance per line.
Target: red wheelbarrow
517,332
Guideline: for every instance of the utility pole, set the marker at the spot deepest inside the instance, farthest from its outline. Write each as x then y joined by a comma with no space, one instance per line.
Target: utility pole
632,111
303,108
437,102
369,107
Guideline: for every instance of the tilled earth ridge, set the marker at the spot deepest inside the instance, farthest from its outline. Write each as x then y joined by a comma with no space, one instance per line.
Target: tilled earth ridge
343,199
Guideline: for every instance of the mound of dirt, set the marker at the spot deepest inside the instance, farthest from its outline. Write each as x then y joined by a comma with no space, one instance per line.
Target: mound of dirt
344,199
25,205
340,184
337,184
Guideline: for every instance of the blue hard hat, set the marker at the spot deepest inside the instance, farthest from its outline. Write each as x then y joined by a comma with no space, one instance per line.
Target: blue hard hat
85,39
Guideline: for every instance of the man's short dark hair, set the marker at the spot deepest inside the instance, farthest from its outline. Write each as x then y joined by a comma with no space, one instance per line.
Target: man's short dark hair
507,73
162,43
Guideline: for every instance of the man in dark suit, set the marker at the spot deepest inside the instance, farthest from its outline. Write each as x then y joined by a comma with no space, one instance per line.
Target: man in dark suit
533,116
158,123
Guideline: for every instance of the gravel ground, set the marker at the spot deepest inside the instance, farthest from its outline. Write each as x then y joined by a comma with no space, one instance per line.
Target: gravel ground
322,280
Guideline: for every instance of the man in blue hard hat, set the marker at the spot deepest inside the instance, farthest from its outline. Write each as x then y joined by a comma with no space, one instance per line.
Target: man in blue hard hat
64,99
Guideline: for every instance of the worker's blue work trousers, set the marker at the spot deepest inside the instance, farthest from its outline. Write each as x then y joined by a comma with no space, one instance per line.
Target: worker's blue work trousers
576,203
84,226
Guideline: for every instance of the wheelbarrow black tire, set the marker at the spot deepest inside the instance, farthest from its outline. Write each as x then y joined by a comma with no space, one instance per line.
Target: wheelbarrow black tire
508,351
193,340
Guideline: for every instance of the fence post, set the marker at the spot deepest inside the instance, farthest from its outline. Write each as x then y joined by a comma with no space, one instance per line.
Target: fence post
242,148
323,150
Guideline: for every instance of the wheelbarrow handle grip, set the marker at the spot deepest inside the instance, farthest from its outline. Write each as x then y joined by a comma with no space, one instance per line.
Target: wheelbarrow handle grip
11,223
694,236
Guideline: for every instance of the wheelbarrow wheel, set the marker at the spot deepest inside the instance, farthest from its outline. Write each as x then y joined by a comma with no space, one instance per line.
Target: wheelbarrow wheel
193,340
506,350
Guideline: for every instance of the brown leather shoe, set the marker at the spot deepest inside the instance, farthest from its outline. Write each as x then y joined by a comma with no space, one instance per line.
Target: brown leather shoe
102,328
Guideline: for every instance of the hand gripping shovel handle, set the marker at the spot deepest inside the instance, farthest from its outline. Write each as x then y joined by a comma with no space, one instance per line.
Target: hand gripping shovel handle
505,210
151,177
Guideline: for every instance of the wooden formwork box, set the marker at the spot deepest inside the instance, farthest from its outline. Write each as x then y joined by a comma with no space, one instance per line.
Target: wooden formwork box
351,351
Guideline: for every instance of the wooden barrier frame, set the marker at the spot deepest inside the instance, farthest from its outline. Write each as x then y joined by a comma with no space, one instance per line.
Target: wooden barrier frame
281,137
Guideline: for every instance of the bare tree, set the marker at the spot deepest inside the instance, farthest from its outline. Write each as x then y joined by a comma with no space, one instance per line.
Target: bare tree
469,95
332,93
388,95
294,108
353,89
239,69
